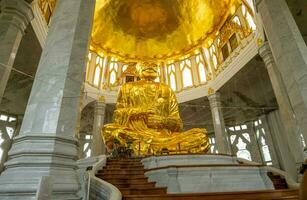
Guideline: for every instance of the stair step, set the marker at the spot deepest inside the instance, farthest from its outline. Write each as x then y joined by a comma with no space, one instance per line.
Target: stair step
124,161
124,167
121,176
258,195
127,181
132,186
142,170
140,191
135,158
278,181
120,172
280,186
121,169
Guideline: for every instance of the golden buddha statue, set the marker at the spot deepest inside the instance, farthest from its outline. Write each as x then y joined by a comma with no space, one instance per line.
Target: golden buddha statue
147,119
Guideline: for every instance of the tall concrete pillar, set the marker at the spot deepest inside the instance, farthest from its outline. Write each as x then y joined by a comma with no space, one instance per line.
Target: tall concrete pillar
15,16
291,126
98,145
46,145
290,54
221,138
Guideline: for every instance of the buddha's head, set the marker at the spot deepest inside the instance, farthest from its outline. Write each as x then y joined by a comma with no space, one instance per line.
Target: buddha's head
147,71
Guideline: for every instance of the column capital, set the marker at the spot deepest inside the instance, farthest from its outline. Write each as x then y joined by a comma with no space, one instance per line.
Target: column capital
266,54
17,12
100,106
102,99
215,95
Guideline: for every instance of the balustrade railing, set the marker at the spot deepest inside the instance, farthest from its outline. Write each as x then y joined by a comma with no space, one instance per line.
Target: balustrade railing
93,187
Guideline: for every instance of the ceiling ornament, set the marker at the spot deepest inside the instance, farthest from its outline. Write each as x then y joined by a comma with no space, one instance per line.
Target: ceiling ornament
159,30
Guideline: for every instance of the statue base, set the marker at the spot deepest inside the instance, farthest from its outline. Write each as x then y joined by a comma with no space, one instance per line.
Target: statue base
205,173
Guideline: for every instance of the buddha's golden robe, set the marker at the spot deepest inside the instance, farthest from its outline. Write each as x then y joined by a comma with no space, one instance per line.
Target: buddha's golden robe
147,117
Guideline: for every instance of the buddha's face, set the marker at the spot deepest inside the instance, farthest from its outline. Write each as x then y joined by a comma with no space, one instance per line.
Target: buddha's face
148,71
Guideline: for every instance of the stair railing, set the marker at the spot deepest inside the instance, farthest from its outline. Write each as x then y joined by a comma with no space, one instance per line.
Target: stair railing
292,184
91,186
100,188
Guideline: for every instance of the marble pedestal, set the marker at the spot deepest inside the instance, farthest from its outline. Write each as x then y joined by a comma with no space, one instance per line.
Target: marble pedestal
182,160
201,174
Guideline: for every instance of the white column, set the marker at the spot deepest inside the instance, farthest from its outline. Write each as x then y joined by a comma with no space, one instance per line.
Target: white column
194,71
286,111
282,144
15,16
269,141
178,76
98,145
46,145
221,138
290,54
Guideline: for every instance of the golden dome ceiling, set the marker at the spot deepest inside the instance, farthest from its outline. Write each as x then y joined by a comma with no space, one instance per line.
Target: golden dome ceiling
155,29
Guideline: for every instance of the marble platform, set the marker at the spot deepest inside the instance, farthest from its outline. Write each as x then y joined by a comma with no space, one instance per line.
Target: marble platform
205,173
187,159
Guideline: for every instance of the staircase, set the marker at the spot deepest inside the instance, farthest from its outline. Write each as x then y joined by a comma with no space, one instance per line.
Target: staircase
128,176
279,182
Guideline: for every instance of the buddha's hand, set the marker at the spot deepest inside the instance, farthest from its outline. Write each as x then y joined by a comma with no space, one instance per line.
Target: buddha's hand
140,113
155,121
173,124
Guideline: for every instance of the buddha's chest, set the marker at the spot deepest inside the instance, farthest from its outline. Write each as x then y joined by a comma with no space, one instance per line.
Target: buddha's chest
150,94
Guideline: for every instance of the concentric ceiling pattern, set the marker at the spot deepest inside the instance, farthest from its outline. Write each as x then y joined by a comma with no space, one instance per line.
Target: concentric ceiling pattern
155,29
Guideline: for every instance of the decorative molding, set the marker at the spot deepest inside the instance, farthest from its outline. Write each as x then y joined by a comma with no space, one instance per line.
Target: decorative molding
246,54
266,54
211,91
102,99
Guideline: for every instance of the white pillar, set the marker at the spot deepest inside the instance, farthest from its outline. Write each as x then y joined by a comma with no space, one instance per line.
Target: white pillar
291,126
46,145
221,138
15,16
98,145
290,54
282,144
